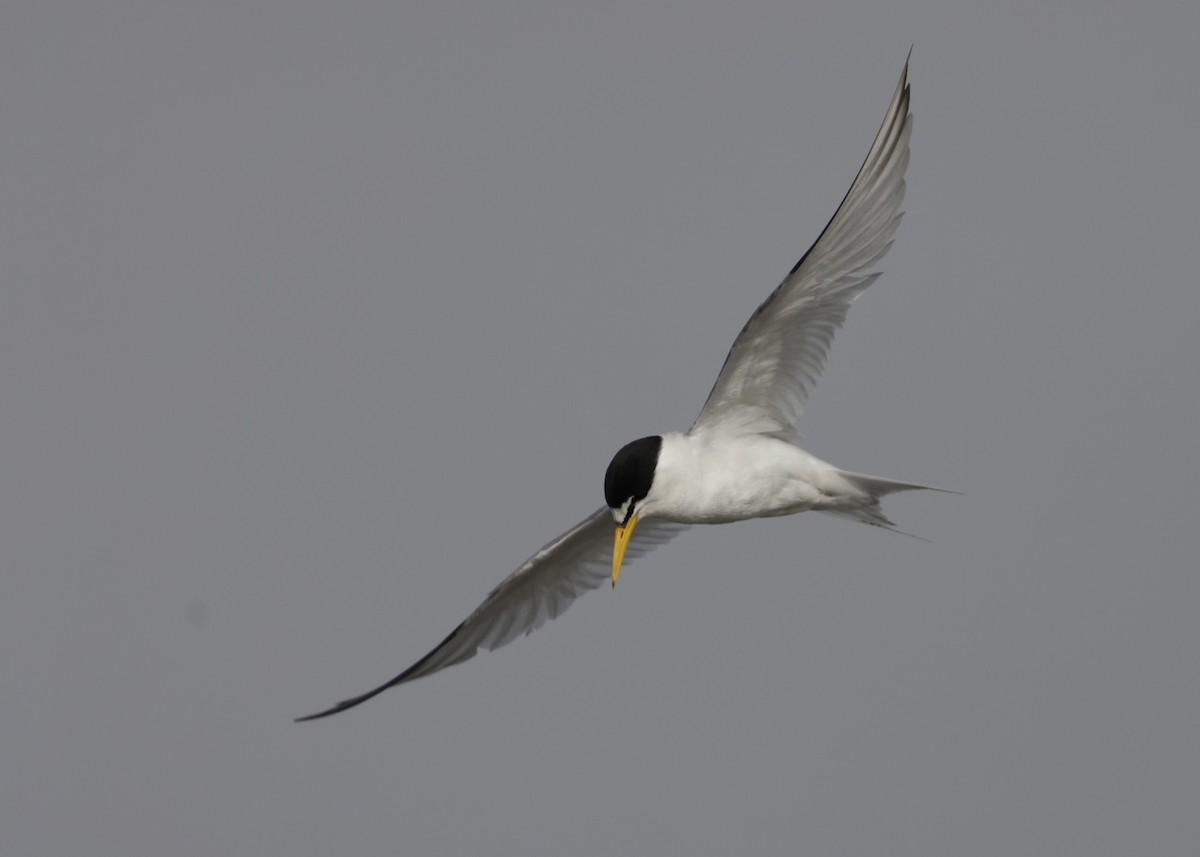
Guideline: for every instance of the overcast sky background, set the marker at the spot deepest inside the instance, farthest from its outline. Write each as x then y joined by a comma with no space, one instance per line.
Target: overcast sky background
317,319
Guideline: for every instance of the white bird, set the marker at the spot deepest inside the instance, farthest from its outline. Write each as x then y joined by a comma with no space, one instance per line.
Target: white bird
741,458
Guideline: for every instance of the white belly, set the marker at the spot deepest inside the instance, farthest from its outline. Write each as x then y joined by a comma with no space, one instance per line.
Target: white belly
714,481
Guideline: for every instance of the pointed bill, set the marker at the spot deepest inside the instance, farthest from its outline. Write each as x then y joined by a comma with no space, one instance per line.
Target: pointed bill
620,542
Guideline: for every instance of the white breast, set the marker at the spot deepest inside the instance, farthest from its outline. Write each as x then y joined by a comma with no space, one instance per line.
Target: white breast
711,480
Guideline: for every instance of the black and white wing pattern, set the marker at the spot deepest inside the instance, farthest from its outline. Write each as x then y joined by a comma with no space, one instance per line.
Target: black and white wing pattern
543,587
776,359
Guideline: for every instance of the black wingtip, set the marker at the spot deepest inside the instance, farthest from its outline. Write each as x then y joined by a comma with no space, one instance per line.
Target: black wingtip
343,705
409,674
357,700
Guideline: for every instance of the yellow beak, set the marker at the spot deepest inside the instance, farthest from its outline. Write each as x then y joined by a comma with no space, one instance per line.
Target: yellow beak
620,542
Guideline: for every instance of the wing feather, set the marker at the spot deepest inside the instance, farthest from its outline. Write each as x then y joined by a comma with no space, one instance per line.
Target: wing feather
780,353
543,588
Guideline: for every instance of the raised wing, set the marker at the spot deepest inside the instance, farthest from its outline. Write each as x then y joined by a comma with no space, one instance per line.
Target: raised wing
776,359
542,588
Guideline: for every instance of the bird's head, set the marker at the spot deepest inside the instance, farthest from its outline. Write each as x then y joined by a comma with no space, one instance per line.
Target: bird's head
627,483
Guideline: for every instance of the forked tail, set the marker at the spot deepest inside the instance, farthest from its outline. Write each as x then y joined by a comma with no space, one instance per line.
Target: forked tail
876,487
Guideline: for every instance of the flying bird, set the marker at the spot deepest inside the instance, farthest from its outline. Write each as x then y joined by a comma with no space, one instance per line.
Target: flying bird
741,458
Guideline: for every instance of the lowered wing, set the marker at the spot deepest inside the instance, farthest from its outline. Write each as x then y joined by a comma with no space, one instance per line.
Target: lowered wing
542,588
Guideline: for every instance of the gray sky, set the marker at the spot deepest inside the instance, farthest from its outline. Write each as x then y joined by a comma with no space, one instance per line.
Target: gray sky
317,319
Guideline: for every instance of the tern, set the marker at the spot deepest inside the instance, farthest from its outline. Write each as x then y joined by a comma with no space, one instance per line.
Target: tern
741,458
